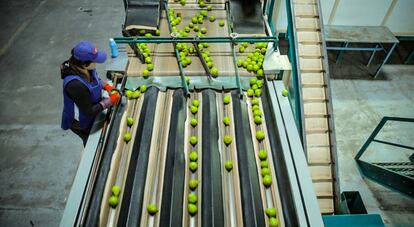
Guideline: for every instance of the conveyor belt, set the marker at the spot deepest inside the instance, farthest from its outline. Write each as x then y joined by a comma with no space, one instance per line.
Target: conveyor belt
240,175
313,73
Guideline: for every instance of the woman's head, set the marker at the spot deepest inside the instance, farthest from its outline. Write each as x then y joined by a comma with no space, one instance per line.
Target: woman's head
86,55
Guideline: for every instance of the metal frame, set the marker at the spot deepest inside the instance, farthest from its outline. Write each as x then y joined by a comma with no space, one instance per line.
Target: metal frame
294,58
377,171
346,47
300,179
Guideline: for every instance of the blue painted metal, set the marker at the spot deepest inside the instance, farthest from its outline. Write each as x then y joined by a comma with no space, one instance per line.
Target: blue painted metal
360,220
382,172
295,80
209,39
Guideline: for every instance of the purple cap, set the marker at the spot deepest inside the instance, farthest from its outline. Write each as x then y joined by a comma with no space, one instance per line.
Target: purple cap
87,51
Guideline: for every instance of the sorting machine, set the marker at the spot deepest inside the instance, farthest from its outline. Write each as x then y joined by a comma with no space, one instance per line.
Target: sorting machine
195,131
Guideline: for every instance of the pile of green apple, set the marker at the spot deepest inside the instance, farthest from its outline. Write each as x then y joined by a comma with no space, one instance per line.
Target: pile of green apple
271,214
147,58
254,61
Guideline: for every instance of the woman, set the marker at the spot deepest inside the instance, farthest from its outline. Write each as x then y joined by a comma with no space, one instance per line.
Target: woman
82,89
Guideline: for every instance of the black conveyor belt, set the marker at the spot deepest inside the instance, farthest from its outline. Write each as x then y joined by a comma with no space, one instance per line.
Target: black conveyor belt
172,196
130,214
212,198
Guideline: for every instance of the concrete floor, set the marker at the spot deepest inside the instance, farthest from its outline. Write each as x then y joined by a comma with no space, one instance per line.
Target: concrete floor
359,105
39,160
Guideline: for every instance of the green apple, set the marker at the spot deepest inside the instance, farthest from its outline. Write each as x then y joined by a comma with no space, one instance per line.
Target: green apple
113,201
242,49
265,171
130,121
203,30
271,212
264,164
255,68
229,165
214,71
262,155
255,101
150,67
152,209
250,92
193,184
194,109
285,92
187,79
128,93
195,103
193,156
200,20
259,72
192,209
187,29
148,35
253,81
249,67
193,140
212,18
183,2
226,99
157,32
221,23
258,92
227,139
148,60
145,73
194,122
203,13
209,8
196,28
259,83
192,198
205,45
255,107
127,137
116,190
257,113
260,135
245,63
273,222
191,25
257,120
245,44
142,32
143,88
226,121
136,94
193,166
194,20
202,4
210,64
239,63
267,181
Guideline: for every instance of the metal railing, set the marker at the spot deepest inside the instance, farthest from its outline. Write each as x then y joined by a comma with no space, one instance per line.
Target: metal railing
396,175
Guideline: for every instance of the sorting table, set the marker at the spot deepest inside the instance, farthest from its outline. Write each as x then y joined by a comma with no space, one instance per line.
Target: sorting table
368,35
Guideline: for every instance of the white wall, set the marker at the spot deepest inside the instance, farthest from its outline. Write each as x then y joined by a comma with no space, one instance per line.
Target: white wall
398,15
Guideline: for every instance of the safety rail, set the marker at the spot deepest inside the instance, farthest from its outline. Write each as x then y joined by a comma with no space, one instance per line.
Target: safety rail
396,175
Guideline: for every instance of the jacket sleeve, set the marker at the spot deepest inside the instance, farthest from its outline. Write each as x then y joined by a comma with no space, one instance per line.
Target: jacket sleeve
82,98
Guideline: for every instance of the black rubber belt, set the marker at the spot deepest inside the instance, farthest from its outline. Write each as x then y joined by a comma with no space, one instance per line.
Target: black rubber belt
172,196
290,215
253,214
92,216
212,199
130,213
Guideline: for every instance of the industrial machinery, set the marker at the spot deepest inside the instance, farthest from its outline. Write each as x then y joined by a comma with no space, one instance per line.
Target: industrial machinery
205,134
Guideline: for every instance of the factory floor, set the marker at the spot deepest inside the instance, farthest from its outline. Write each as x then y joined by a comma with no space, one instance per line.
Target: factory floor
39,160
